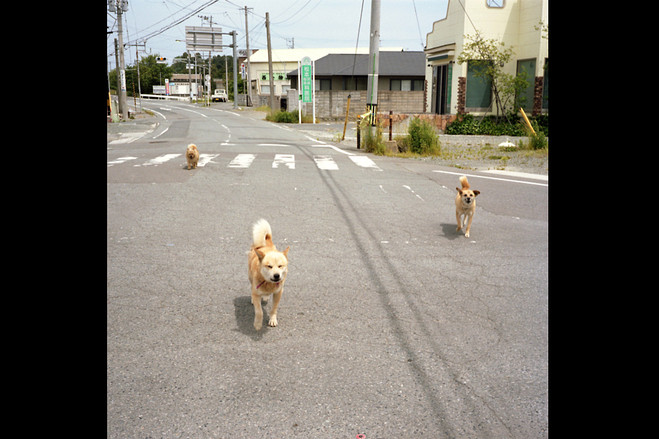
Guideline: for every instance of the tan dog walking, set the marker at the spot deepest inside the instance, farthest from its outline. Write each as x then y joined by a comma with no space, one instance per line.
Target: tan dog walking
267,272
465,205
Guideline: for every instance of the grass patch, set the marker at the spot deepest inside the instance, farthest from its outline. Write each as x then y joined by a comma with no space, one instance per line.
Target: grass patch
286,116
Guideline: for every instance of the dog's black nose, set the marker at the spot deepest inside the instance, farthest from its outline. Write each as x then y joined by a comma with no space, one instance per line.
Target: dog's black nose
275,276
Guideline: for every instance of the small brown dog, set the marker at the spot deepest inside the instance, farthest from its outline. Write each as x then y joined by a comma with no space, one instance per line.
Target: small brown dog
465,205
267,269
192,155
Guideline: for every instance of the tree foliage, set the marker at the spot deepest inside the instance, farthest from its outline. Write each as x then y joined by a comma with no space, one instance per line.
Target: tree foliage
152,73
490,56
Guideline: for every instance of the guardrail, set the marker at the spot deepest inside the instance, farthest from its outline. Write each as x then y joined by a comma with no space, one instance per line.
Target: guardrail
177,98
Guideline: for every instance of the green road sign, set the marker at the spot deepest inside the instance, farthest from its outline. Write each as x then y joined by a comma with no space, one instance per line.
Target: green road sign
306,80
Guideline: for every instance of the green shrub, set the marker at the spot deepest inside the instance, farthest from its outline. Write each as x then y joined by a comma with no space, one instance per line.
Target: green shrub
538,141
372,141
282,117
422,138
489,126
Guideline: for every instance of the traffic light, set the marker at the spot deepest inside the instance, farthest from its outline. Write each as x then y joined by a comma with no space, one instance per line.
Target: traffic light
161,60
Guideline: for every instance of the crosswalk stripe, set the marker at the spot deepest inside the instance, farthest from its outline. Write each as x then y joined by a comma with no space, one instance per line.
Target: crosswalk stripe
325,162
287,160
242,161
205,158
120,160
159,160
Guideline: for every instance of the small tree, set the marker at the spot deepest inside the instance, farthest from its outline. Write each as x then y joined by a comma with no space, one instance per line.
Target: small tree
490,56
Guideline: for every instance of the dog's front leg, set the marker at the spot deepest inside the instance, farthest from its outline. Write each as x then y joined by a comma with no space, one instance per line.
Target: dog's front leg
468,219
258,311
458,220
275,305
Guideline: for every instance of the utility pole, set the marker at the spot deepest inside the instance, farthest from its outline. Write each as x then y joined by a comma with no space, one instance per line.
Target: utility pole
137,63
235,70
374,61
210,76
122,6
249,83
272,82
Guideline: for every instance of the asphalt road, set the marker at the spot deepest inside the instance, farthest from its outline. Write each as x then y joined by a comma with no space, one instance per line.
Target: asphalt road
391,324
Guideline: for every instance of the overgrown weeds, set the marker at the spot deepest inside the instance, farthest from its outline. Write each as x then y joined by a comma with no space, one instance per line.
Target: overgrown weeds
421,139
282,116
372,138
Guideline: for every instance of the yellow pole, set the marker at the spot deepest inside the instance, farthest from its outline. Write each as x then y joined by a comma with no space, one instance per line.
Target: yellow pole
346,121
527,120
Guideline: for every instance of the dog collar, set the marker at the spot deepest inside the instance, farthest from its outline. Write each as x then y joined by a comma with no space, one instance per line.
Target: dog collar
259,285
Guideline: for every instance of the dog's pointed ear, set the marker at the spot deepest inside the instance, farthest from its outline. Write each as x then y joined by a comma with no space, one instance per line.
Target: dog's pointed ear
259,254
285,252
459,190
476,193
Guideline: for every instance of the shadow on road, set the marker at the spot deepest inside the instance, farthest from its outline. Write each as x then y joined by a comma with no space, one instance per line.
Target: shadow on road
244,311
449,231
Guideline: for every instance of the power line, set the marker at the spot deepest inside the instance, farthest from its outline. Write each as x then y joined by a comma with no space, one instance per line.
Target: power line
176,22
417,23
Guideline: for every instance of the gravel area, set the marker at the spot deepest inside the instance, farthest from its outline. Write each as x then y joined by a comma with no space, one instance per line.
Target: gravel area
462,152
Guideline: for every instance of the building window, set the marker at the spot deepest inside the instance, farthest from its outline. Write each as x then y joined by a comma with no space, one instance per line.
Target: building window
406,85
323,84
479,87
349,83
526,70
495,3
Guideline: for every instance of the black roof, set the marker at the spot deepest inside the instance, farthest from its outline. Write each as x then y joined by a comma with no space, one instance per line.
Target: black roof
391,64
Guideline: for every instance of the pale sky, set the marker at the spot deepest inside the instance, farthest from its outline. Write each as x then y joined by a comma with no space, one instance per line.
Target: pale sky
312,23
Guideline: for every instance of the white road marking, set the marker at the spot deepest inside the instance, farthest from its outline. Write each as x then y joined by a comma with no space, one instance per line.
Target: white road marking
492,178
193,111
159,160
161,133
287,160
325,145
242,161
127,138
415,194
325,162
364,162
205,158
120,160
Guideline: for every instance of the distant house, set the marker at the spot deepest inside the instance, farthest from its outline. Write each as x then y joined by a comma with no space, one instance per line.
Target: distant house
453,88
401,83
403,71
283,61
181,83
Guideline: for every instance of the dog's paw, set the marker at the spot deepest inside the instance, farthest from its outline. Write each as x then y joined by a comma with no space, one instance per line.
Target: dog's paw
467,235
273,321
258,324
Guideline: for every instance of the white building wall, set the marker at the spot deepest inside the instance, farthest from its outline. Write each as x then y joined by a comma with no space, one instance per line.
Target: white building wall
514,24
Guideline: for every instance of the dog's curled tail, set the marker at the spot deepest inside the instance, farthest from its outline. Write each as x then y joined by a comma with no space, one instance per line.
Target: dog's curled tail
464,182
261,233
